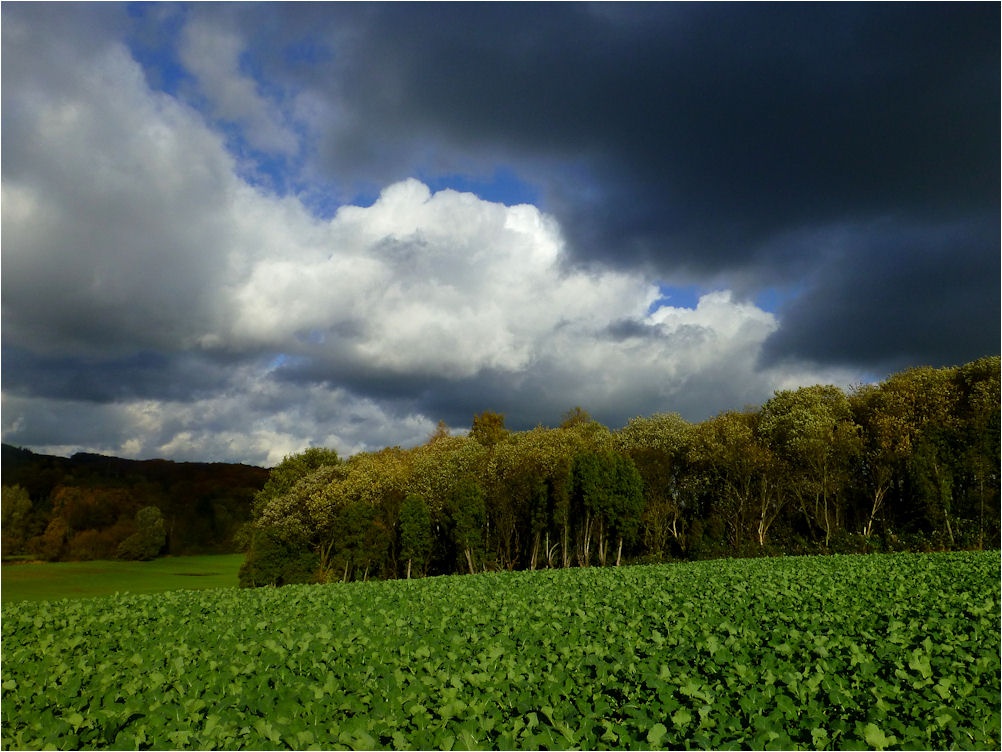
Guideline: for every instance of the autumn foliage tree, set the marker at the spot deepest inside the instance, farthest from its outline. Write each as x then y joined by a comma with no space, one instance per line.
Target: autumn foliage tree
912,462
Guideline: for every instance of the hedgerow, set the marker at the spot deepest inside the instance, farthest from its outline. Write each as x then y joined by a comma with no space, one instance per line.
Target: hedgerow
864,652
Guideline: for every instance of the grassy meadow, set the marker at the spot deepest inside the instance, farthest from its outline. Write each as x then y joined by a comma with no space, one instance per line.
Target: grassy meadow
36,581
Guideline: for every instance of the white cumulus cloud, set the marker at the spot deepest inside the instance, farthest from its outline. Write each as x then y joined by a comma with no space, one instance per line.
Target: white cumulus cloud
132,248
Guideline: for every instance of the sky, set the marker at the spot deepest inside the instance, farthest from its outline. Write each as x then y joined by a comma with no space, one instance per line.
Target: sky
234,231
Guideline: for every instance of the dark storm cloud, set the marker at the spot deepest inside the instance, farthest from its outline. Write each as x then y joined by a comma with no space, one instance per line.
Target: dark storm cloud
760,116
140,375
898,297
693,138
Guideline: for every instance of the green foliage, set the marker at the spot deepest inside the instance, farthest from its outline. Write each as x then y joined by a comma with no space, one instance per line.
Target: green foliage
836,652
359,543
813,431
291,470
149,538
273,561
84,507
909,464
416,536
488,428
465,517
16,519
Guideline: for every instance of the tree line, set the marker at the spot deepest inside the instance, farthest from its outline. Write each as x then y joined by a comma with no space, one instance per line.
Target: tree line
95,507
911,463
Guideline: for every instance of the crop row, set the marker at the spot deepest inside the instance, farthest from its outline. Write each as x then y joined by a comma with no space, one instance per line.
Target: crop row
829,652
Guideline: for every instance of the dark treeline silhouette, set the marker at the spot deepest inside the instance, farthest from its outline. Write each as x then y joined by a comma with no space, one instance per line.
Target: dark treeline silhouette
94,507
911,463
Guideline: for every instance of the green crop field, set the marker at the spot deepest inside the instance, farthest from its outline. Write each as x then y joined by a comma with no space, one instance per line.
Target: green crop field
847,652
79,579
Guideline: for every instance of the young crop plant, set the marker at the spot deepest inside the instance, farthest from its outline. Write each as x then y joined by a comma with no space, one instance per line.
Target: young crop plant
841,652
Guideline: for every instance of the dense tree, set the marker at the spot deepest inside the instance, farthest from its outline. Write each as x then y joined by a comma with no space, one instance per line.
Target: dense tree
361,542
53,543
627,505
661,449
416,535
292,469
884,451
488,428
911,462
274,561
97,497
745,479
979,413
466,515
16,520
813,431
527,476
149,538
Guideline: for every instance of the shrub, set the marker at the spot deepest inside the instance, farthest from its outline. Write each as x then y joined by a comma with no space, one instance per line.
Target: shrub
147,542
273,562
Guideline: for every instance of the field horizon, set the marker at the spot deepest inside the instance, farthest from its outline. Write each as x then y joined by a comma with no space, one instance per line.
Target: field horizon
37,580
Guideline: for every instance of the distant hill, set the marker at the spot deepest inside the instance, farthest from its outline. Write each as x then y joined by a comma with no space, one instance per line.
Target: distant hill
82,507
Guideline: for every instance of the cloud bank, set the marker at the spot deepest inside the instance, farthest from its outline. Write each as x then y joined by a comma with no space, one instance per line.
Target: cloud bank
223,243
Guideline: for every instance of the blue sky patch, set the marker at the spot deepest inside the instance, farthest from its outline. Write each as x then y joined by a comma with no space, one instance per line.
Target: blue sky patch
503,185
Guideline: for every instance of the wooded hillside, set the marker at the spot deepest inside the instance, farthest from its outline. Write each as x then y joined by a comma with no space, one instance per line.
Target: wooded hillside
95,507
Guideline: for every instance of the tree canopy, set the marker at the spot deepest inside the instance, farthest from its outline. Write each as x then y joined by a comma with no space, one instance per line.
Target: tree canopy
909,463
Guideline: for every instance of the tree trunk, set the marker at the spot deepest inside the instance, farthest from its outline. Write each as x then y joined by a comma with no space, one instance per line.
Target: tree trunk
566,554
619,551
408,569
601,542
878,500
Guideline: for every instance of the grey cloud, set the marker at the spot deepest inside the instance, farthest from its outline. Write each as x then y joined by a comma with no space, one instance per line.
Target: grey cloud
694,139
143,374
114,203
899,296
847,152
629,329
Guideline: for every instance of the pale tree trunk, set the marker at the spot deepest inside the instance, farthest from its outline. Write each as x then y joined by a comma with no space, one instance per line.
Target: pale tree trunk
878,502
584,541
408,569
619,551
770,506
601,542
566,553
325,561
535,551
551,553
828,525
679,537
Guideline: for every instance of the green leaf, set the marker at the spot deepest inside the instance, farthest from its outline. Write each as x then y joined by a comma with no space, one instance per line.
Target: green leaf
76,720
681,718
819,737
876,738
656,735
